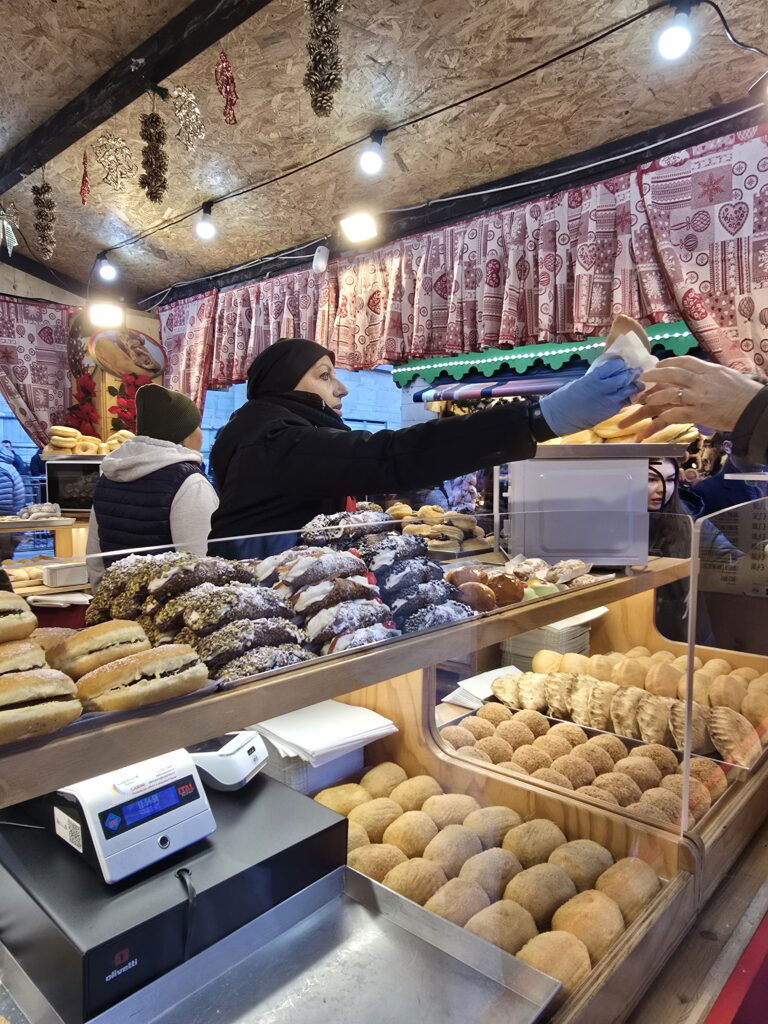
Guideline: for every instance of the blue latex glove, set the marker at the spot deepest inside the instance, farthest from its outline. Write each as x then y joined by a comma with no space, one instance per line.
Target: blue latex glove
593,398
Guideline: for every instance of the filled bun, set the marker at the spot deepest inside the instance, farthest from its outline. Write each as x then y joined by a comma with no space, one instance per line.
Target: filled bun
142,679
95,646
36,703
16,619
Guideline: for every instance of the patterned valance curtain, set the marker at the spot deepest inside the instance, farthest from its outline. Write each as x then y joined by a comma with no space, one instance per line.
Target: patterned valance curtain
33,363
186,331
685,236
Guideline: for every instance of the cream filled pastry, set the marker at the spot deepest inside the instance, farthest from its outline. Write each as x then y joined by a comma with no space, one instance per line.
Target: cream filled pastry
342,618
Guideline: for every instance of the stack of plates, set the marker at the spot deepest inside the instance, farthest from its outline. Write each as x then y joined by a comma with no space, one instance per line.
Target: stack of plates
568,636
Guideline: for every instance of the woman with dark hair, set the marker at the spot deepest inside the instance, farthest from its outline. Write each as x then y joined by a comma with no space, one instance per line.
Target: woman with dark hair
287,455
671,536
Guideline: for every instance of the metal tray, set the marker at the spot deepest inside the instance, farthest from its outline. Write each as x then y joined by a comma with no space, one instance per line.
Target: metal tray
344,950
610,451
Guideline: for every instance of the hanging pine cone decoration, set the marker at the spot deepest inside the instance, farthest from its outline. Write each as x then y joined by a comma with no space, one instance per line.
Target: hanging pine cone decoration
324,67
45,218
153,157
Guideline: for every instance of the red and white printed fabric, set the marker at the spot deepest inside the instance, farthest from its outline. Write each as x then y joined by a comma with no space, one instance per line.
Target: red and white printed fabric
186,331
34,378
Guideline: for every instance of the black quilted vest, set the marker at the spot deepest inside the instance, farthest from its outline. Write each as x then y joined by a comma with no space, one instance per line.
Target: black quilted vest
137,513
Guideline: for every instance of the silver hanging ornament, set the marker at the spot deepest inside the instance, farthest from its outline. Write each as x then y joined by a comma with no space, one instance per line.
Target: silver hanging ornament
113,155
9,219
187,112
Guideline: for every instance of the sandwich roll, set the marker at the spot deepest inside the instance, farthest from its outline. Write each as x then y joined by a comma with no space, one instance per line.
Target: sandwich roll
16,619
95,646
49,637
21,656
36,703
143,679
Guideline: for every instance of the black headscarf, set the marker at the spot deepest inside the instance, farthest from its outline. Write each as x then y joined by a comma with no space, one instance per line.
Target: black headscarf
279,368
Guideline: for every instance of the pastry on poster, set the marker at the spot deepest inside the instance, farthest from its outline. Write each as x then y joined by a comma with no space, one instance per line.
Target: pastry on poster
126,351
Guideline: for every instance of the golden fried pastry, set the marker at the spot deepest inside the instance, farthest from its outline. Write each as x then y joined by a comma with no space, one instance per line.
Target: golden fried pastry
573,733
541,889
601,795
624,711
516,734
450,808
600,759
611,745
622,786
734,737
710,773
631,883
491,824
505,689
451,847
557,690
356,836
505,924
594,918
417,879
726,691
662,679
530,758
641,770
376,860
700,715
479,727
474,753
535,721
381,780
342,799
577,770
583,861
411,832
532,691
560,955
600,697
546,661
410,795
653,719
495,713
669,803
552,777
578,699
661,756
457,901
699,799
492,870
496,748
533,841
376,816
650,812
478,596
555,746
457,736
431,514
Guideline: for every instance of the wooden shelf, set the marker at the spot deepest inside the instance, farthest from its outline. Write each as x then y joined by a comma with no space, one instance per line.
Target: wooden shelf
94,748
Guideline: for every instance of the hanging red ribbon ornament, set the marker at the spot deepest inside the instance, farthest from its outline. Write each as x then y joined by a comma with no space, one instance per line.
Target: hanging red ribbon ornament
85,185
225,83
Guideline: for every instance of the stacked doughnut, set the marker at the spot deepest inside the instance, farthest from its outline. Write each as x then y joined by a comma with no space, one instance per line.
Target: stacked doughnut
335,598
449,532
646,780
213,605
411,583
520,885
642,696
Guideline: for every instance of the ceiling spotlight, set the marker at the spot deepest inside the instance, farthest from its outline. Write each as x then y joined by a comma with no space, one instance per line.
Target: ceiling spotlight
676,38
106,314
371,158
205,228
320,259
107,271
360,226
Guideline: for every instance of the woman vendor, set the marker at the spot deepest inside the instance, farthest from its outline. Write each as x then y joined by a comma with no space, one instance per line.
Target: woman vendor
286,455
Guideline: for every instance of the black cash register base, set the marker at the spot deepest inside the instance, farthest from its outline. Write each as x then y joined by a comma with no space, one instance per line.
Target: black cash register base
86,945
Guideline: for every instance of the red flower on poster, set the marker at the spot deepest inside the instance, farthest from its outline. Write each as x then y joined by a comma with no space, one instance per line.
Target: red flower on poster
82,414
124,411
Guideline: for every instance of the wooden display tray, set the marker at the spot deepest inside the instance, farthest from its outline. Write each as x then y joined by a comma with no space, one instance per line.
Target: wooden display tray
92,749
617,983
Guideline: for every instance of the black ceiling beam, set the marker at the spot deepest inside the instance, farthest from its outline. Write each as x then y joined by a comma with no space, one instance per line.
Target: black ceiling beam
624,154
197,27
43,272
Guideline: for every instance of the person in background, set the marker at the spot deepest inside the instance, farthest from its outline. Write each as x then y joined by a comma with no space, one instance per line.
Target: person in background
689,390
717,493
18,463
37,473
287,455
671,536
12,493
152,491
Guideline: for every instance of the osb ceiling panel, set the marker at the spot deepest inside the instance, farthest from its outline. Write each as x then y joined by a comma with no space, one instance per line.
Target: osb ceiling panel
401,59
53,49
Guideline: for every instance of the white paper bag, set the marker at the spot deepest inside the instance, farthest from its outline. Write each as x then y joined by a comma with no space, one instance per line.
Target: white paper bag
629,348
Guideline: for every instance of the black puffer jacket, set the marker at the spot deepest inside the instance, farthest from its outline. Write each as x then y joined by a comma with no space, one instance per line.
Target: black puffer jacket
283,459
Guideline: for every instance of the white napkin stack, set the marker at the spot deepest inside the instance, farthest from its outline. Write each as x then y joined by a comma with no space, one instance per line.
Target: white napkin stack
324,731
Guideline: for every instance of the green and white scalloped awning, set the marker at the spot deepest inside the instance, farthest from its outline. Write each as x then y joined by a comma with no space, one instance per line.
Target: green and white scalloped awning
671,338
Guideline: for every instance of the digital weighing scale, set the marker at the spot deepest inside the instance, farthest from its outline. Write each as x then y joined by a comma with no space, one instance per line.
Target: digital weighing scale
125,820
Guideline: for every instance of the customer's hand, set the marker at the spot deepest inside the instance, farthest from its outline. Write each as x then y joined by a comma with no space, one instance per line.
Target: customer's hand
689,390
593,398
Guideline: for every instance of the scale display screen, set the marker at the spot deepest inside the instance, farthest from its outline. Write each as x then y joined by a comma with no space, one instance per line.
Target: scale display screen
135,812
